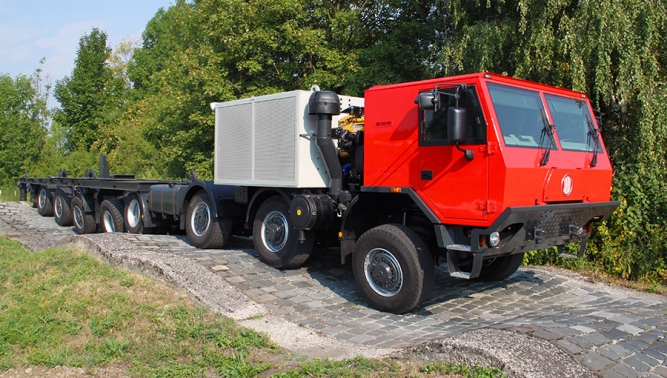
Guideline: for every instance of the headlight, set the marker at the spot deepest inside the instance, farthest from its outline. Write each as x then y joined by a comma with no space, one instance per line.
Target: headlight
494,239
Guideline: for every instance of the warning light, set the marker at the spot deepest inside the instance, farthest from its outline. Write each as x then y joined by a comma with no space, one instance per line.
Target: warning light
395,190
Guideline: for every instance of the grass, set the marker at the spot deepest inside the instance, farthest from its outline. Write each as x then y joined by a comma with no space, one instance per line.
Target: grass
9,193
64,308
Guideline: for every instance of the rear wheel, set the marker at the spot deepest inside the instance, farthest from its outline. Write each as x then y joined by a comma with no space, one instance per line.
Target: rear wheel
393,268
204,230
83,223
134,215
62,209
112,215
276,239
45,202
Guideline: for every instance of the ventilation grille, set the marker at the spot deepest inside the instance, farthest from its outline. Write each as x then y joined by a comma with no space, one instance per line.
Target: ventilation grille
275,140
233,154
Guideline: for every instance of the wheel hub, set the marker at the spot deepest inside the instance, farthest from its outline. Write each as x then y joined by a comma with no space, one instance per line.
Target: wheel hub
59,207
275,232
201,219
383,272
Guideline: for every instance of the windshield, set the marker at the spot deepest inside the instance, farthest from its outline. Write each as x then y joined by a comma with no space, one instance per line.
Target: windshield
571,117
520,115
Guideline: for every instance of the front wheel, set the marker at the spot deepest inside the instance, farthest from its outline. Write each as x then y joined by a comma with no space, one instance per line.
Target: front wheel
276,239
83,223
393,268
204,230
500,267
45,202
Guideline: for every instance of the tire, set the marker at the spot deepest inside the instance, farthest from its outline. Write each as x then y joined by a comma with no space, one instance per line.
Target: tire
134,215
83,223
111,216
45,202
203,229
276,239
393,268
62,209
501,267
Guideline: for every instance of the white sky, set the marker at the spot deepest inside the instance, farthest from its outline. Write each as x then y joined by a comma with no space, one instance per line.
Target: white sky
34,29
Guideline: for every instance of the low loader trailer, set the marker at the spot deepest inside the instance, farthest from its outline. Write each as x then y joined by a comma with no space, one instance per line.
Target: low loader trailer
470,171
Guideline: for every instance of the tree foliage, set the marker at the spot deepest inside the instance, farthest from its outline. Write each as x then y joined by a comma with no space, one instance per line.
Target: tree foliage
90,95
614,51
23,117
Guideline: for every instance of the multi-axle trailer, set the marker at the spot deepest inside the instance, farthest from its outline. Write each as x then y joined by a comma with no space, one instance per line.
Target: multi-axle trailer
471,171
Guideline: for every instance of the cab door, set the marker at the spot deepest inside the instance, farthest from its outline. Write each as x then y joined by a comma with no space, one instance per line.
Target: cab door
454,187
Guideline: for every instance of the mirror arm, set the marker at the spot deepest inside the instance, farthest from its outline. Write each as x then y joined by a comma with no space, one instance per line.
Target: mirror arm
469,154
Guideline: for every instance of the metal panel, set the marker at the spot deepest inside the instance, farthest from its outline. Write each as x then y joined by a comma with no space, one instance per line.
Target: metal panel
274,153
234,142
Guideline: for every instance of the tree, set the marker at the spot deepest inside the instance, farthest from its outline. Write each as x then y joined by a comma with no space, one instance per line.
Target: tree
23,121
614,51
89,96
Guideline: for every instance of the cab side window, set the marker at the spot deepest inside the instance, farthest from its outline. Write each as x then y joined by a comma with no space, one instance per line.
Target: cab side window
433,123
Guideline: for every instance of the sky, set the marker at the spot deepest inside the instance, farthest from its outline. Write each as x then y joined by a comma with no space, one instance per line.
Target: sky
34,29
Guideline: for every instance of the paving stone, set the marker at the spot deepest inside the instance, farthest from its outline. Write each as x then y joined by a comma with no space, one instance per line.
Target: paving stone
625,370
596,361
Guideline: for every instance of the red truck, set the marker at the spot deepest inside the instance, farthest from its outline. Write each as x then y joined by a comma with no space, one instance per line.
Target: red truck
469,171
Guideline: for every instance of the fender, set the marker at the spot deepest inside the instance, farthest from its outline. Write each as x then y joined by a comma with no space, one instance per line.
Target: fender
222,197
258,198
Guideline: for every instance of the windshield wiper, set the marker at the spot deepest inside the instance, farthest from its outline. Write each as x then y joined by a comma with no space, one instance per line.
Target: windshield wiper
546,136
594,135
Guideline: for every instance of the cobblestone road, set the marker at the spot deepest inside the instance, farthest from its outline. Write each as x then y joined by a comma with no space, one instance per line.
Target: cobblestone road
613,332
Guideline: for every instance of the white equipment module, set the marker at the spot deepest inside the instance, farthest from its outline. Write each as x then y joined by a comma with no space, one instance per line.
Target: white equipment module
269,141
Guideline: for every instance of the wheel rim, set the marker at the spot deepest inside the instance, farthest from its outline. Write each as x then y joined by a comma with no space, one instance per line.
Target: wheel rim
78,217
59,207
201,218
42,199
133,213
383,272
275,231
109,224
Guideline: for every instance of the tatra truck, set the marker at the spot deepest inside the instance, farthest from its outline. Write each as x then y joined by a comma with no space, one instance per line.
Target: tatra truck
470,171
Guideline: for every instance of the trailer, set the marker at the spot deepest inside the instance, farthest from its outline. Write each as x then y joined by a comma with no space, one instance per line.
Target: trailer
470,171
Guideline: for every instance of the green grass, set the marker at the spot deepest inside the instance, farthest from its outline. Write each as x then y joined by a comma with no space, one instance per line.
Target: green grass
9,193
65,308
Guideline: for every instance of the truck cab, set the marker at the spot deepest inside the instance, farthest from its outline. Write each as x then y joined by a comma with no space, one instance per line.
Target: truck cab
489,167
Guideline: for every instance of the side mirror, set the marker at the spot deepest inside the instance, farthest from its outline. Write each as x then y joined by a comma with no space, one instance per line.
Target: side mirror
426,101
456,124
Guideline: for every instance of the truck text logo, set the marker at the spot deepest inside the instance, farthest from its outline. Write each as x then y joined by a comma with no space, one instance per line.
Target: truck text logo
566,185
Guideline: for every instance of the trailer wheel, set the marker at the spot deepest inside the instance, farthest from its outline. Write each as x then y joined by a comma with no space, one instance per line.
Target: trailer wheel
134,215
501,267
112,215
83,223
45,202
276,239
393,268
62,209
204,230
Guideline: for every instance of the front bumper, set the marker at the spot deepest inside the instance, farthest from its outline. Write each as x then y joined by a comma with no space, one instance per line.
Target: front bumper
538,227
530,228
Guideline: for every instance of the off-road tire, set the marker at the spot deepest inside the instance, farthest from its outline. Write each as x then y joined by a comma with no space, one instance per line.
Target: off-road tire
501,267
45,202
111,215
83,223
203,228
133,215
62,209
275,237
393,268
